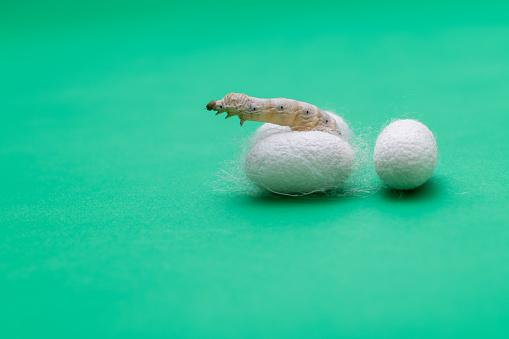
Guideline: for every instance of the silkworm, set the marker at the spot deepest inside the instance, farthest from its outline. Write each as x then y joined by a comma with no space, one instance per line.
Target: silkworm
298,115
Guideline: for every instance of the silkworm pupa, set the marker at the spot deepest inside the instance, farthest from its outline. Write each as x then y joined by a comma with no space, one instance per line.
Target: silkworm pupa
298,115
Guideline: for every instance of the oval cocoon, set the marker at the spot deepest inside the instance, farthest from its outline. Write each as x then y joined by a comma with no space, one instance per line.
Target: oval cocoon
299,162
405,154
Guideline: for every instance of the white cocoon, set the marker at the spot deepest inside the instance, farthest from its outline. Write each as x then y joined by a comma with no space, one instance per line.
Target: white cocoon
288,162
405,154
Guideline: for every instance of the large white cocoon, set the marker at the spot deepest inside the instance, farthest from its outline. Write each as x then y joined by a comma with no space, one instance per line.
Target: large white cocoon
290,162
405,154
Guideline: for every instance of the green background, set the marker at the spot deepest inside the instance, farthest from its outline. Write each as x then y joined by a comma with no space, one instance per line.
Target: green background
109,225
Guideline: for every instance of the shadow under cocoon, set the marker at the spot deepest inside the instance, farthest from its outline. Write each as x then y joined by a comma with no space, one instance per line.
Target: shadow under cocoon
310,199
428,191
316,196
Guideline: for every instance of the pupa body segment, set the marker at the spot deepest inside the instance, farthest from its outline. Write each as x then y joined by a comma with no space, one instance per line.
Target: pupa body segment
298,115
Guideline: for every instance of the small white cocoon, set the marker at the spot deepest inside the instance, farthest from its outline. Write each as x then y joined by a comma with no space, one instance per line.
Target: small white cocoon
405,154
291,162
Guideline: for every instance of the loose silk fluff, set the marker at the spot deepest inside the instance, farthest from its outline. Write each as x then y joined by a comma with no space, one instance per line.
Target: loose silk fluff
297,162
405,154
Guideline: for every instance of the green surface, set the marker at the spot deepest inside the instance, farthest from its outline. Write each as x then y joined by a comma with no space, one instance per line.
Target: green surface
108,226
